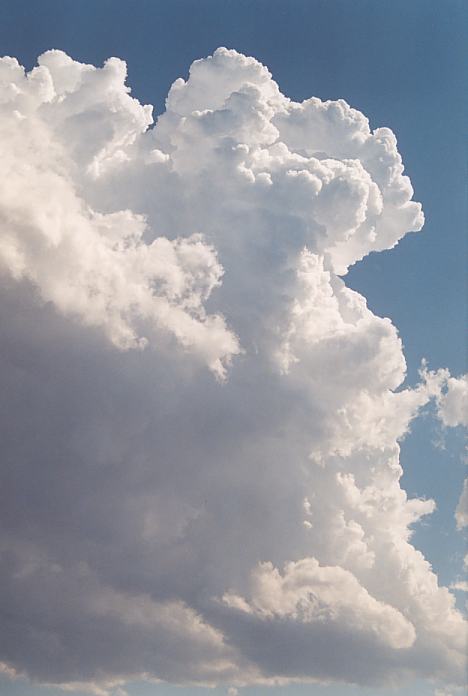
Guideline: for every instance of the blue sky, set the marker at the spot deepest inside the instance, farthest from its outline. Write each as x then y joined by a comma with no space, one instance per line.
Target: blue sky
403,65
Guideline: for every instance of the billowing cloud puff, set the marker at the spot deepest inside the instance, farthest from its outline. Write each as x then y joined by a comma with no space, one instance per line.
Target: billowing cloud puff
310,594
453,403
92,266
160,520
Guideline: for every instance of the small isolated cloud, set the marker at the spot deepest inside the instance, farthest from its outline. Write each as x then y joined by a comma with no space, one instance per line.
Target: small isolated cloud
94,689
453,403
201,421
461,512
461,586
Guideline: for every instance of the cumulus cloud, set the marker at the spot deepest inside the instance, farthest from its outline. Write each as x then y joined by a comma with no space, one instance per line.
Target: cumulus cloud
451,396
453,403
460,585
92,266
310,594
162,521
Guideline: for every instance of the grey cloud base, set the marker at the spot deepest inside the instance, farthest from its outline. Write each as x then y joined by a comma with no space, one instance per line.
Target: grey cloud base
200,473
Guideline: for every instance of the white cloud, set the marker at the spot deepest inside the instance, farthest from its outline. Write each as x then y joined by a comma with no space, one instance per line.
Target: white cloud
309,594
94,266
139,490
460,585
461,512
451,395
453,404
95,689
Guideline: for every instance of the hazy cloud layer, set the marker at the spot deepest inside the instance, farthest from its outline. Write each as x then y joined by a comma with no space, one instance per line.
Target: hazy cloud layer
223,506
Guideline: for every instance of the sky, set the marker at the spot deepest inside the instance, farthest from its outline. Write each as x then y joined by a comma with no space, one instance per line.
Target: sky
203,426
